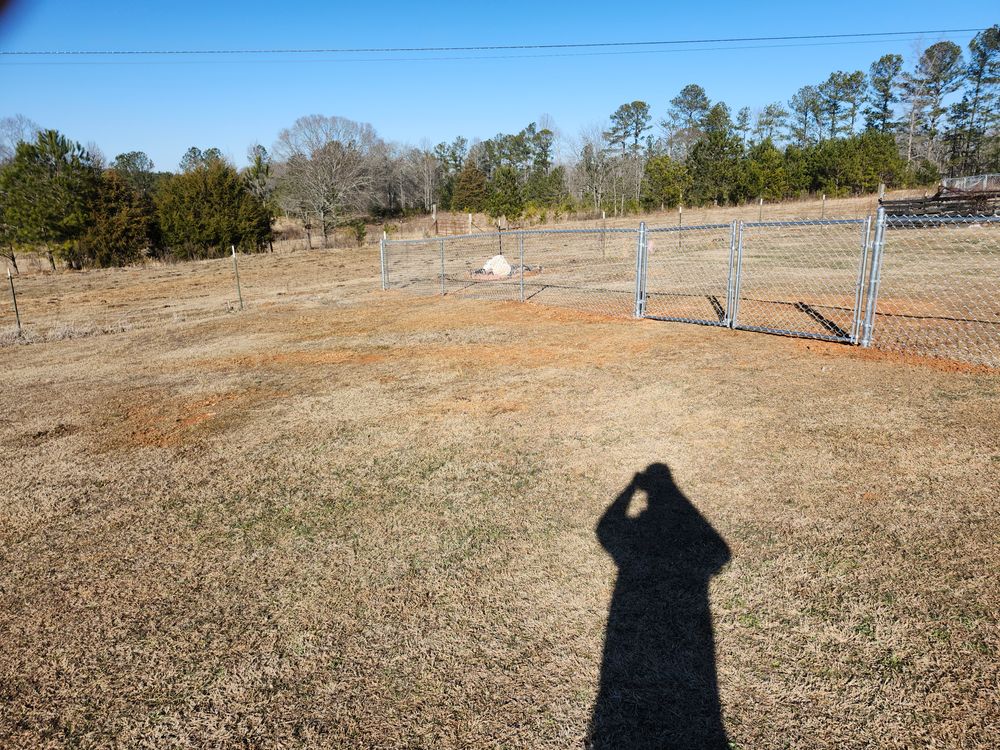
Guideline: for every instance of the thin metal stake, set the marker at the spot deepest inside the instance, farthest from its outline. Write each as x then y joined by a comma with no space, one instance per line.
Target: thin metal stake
381,256
442,268
236,269
13,296
521,251
604,234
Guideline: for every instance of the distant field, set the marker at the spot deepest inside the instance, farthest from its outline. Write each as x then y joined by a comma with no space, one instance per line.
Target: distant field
346,518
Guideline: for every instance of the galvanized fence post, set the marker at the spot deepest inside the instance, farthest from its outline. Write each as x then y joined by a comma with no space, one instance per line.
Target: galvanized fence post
859,290
640,270
13,296
738,271
381,257
520,247
730,277
442,268
874,278
236,270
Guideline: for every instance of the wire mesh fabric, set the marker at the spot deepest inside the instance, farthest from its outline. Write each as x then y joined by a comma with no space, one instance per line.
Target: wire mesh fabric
801,278
587,269
939,288
688,273
923,284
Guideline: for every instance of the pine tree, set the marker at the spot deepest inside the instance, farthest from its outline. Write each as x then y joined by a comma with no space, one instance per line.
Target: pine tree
506,198
883,81
470,191
48,189
978,113
121,227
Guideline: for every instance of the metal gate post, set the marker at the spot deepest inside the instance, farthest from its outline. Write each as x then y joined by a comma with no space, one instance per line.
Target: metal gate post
381,257
442,268
640,270
874,278
738,273
520,249
859,288
730,278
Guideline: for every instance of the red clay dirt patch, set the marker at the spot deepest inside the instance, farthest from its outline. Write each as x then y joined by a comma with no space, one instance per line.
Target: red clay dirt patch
164,422
832,349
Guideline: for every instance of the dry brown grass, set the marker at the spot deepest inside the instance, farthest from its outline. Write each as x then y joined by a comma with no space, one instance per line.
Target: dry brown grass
356,519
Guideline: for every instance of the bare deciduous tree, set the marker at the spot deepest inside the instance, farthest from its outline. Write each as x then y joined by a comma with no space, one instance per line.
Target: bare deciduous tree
328,168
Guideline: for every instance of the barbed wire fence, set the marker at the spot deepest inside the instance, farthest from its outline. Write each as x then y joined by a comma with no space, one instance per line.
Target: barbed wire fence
927,285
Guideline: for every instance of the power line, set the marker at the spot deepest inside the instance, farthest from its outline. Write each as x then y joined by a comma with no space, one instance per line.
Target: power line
439,58
478,48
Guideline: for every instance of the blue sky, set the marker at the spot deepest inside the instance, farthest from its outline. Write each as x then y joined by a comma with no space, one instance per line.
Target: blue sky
163,105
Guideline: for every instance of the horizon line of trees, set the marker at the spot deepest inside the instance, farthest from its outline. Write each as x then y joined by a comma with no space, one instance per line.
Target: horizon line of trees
844,135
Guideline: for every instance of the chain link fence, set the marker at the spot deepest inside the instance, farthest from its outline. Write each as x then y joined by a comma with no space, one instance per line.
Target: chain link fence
586,269
938,288
926,285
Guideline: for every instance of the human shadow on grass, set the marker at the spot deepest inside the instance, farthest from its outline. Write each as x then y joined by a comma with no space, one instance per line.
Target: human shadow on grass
658,684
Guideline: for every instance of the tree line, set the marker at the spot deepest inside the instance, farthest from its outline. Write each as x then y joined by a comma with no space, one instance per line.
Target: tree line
844,135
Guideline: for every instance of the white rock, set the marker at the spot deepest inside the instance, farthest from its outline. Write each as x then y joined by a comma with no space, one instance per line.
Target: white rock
498,266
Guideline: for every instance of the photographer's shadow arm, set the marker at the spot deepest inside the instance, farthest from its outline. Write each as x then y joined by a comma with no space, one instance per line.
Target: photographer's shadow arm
614,527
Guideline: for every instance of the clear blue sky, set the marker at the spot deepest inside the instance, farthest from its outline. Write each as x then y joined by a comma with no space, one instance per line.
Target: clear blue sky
163,105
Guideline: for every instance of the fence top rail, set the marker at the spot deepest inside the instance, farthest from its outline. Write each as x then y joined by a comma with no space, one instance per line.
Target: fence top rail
510,233
803,222
688,227
936,219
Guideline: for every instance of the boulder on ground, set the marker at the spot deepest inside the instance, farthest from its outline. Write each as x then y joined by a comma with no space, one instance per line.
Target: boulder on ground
497,266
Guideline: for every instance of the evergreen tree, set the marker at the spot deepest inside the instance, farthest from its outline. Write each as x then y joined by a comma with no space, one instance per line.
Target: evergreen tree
48,188
883,80
471,190
666,181
743,124
977,115
121,227
628,123
136,168
685,116
806,106
764,172
714,160
771,120
505,198
206,209
938,73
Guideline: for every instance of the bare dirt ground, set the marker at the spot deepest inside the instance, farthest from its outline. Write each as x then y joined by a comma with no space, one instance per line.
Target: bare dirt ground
345,518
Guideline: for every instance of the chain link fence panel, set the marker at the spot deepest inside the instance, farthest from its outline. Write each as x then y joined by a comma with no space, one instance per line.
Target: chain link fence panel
938,289
590,270
586,269
925,284
801,278
688,273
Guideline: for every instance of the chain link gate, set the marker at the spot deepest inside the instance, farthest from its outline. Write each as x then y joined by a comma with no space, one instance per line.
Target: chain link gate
801,278
798,278
933,290
688,273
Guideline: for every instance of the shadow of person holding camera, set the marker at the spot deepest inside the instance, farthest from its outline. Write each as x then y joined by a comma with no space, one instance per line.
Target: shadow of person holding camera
658,685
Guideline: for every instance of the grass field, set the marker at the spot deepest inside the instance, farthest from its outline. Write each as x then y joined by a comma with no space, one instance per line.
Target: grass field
345,518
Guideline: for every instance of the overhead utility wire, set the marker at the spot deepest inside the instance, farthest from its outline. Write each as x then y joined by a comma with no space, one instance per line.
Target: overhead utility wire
431,58
477,48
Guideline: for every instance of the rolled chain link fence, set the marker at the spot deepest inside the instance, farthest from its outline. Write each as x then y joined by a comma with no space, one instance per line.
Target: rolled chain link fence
925,285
